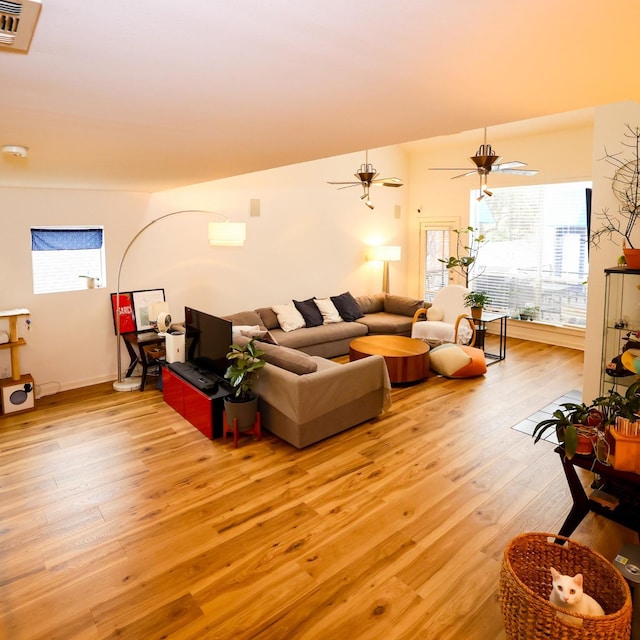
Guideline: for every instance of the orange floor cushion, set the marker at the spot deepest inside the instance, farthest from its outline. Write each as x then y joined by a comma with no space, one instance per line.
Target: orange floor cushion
457,361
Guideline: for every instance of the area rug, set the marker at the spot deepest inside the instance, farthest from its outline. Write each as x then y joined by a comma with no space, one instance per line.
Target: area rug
528,424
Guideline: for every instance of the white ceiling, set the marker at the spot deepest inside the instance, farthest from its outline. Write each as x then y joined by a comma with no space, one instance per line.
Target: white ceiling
153,94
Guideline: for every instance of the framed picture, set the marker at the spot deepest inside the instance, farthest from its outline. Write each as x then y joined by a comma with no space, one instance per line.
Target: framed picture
142,300
125,312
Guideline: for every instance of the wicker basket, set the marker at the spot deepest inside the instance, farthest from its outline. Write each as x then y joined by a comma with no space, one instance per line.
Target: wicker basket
525,586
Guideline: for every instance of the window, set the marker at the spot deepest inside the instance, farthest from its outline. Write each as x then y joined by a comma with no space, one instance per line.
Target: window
64,258
536,257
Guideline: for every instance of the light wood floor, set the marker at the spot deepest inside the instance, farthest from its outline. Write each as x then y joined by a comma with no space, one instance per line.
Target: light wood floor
120,520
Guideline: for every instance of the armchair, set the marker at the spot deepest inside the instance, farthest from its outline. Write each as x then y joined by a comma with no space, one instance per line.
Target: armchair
446,319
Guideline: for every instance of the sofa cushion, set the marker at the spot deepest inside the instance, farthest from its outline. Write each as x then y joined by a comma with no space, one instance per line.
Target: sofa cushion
328,311
310,312
245,318
268,317
387,324
289,359
371,304
289,318
252,331
401,305
347,306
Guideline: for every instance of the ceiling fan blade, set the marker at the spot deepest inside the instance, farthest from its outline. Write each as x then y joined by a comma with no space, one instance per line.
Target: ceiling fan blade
448,169
387,182
350,183
465,175
520,172
508,165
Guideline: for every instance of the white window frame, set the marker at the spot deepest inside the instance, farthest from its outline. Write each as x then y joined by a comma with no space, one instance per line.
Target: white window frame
62,270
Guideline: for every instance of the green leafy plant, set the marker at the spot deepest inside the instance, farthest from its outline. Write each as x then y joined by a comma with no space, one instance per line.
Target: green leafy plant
477,299
244,363
529,312
579,419
469,241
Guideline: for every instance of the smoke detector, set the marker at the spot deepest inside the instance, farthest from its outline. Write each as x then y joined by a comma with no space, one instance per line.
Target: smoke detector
17,23
15,150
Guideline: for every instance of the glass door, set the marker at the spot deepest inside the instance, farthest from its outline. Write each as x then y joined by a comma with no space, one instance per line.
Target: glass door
436,240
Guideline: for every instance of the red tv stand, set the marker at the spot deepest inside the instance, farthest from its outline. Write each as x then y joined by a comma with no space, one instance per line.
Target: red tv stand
203,410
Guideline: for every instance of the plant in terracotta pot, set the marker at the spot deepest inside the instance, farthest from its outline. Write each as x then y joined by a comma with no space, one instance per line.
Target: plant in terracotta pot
477,301
625,184
578,426
244,363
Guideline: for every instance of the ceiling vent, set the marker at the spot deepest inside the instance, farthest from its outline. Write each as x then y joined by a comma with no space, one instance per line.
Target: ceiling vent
17,23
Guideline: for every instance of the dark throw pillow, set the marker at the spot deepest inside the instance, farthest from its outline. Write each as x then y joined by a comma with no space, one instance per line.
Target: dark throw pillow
347,307
310,312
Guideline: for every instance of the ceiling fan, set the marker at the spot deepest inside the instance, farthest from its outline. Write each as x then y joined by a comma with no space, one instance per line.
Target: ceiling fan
487,161
367,176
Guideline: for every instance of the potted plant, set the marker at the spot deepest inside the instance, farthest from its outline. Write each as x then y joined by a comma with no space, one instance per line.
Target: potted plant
578,425
466,253
477,300
244,363
529,312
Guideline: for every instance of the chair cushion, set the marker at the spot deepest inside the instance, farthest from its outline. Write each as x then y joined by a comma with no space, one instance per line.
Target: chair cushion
435,313
457,361
433,331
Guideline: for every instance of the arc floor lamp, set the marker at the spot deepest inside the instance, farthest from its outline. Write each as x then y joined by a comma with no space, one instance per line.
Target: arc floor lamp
221,234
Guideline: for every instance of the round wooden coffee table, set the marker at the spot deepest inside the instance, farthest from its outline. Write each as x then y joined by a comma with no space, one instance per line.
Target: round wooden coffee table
407,358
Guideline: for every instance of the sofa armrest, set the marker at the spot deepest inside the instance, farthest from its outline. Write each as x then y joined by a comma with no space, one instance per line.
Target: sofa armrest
306,397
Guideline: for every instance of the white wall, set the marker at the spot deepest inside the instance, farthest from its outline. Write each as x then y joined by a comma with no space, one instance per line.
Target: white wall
609,131
309,240
71,340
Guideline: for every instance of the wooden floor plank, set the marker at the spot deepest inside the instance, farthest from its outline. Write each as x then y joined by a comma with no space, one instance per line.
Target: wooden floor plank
121,520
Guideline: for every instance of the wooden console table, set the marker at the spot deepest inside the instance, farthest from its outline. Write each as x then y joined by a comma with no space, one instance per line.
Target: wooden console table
623,485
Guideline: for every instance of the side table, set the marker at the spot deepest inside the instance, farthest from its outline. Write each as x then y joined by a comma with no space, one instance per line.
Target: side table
624,486
481,331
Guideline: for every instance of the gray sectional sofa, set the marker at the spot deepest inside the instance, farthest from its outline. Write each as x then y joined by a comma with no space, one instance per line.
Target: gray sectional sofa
304,396
382,313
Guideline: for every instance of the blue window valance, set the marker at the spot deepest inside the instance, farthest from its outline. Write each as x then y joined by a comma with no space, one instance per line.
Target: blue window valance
65,239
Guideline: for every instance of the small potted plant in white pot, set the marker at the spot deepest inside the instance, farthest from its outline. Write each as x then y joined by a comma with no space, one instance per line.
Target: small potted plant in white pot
244,363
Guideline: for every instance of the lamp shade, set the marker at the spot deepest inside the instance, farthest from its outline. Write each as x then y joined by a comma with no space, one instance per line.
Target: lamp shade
385,253
227,234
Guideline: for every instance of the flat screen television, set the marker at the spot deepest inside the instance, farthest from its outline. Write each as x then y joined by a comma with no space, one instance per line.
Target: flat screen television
207,340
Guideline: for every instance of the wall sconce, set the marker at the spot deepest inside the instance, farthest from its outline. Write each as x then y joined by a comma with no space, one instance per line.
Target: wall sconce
223,234
385,254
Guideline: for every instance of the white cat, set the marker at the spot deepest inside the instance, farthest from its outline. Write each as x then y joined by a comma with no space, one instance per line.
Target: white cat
567,593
